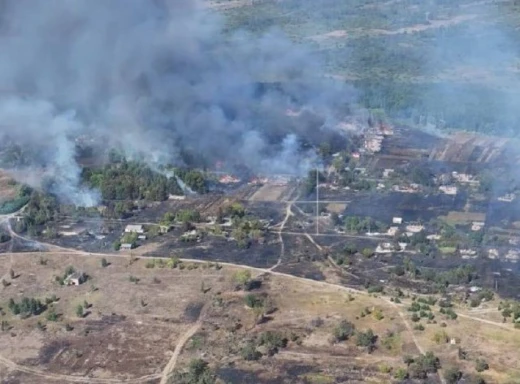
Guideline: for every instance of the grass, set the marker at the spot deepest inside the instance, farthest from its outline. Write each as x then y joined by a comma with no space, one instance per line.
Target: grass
447,250
319,378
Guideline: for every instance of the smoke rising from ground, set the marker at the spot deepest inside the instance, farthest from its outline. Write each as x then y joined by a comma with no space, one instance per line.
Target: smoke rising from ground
155,78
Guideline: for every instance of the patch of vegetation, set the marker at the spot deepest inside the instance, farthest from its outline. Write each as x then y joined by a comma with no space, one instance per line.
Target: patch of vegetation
343,331
198,372
26,307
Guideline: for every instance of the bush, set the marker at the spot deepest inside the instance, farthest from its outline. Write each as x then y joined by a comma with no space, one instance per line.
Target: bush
343,331
253,301
419,327
452,375
249,352
481,365
441,337
52,315
366,339
272,341
401,374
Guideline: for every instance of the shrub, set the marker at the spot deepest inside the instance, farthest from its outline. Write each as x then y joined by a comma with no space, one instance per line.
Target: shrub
249,352
452,375
366,339
481,365
401,374
343,331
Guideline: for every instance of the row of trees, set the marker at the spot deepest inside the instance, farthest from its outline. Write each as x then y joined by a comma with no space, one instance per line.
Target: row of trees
130,181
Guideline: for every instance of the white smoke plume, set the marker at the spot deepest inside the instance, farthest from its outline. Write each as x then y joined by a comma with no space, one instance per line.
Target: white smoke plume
154,77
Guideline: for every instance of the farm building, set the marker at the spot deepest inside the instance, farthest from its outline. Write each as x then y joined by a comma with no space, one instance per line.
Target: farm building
75,278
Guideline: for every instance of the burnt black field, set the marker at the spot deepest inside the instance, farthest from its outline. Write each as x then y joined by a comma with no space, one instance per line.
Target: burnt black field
412,207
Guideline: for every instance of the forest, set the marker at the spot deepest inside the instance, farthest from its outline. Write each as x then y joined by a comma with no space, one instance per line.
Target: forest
447,64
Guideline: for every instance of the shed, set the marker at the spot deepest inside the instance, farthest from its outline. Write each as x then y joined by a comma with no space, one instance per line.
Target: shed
126,246
75,278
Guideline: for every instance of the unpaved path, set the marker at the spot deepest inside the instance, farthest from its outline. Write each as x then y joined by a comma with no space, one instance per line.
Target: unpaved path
288,213
72,379
168,370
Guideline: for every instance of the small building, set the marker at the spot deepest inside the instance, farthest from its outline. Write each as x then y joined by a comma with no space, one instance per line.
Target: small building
176,197
392,231
507,198
448,189
126,246
475,289
141,237
229,179
385,248
434,237
75,278
133,228
493,253
387,172
477,225
415,228
397,220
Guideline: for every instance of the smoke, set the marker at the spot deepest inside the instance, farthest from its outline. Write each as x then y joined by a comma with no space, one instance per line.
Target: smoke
155,78
473,69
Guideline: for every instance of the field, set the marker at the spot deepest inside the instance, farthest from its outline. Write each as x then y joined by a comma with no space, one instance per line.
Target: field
144,319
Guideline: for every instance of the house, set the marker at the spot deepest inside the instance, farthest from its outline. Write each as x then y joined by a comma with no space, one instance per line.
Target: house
433,237
392,231
464,178
397,220
507,198
477,225
468,253
385,248
126,246
134,228
75,278
229,179
415,228
176,197
493,253
448,189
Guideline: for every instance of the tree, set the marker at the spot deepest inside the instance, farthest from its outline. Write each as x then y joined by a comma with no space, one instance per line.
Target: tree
79,311
104,262
198,373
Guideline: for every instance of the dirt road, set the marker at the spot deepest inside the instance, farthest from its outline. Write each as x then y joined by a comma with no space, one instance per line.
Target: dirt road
168,370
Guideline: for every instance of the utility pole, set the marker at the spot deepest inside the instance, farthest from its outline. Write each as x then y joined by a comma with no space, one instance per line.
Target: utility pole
317,202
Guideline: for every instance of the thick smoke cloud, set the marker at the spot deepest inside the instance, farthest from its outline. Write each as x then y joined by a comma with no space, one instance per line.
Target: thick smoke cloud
155,78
